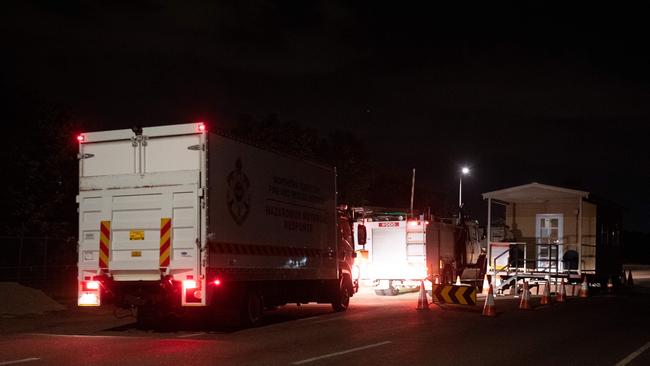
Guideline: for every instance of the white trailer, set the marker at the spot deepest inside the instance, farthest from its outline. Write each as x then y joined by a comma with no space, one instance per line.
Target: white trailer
174,216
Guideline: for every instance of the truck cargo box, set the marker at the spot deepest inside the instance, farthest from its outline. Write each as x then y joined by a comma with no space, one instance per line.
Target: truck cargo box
177,213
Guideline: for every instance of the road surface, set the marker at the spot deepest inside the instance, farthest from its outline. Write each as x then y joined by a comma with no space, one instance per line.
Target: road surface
600,330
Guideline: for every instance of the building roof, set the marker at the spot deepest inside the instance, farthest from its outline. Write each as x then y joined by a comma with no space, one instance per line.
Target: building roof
535,192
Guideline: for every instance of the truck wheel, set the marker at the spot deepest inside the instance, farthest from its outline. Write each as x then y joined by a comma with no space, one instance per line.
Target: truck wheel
252,308
342,298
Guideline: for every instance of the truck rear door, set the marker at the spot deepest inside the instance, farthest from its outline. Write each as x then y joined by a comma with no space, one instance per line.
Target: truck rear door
140,203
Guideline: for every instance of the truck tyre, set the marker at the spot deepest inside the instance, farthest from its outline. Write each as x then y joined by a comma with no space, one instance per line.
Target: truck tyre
252,309
341,300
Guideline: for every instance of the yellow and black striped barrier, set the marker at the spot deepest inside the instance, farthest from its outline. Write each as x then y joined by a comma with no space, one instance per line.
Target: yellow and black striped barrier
453,294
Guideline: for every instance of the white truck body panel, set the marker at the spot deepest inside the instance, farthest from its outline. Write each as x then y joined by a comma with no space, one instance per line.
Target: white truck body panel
134,187
270,216
396,251
237,211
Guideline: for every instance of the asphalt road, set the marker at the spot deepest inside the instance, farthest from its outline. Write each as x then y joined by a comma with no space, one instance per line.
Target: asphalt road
601,330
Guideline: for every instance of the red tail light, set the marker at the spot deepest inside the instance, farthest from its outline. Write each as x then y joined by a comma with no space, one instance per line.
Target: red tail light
217,282
201,127
92,285
80,138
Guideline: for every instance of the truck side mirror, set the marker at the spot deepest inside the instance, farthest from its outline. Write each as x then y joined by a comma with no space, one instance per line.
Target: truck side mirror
361,234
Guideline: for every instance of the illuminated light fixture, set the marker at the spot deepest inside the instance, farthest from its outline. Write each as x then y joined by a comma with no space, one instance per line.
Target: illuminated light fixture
88,299
201,127
414,223
92,285
356,272
217,282
189,284
465,170
80,138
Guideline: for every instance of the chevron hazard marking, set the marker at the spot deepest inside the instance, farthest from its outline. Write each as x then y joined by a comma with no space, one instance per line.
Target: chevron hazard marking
452,294
104,244
165,242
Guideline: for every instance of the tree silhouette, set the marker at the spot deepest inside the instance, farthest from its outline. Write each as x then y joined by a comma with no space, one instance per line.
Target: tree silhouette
40,182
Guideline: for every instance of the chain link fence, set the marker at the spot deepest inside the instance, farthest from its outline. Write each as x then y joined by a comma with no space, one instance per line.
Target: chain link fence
47,263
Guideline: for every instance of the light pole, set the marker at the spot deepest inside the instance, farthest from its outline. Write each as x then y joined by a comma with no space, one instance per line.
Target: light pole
464,171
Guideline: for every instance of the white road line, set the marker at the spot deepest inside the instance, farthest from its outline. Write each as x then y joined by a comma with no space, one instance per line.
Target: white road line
633,355
309,318
191,335
19,361
326,320
81,335
340,353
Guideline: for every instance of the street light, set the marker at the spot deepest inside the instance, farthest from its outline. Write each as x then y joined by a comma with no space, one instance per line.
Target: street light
464,171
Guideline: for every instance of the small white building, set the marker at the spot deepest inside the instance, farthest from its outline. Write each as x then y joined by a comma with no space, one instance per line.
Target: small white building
554,230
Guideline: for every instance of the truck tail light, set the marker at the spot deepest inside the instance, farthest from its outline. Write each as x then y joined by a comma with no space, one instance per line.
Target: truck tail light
192,293
88,299
217,282
89,293
80,138
91,285
201,127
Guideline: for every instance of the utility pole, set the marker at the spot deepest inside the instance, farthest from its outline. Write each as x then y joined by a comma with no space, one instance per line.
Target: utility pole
412,191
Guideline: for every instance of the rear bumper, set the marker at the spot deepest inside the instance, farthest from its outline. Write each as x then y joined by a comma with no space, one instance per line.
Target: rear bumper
142,293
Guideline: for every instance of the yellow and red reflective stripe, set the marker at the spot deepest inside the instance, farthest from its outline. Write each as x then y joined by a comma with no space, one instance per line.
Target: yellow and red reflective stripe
165,242
104,244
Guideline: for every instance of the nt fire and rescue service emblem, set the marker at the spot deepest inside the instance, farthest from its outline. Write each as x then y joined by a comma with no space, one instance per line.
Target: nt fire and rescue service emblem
238,197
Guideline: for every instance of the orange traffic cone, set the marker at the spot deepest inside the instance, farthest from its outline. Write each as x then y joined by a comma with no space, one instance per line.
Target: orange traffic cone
488,309
423,301
610,285
525,298
584,288
630,280
458,281
486,285
546,296
561,294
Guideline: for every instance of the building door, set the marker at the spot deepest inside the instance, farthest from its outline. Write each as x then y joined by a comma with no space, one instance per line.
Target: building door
549,228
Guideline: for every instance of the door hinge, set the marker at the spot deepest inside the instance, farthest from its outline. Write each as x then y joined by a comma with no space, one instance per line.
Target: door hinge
84,156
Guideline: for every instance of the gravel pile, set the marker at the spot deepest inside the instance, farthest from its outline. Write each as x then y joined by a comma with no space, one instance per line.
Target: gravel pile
16,299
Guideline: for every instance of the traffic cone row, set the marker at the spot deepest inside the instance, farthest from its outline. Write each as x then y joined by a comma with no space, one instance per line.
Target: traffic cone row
546,296
488,308
630,280
525,302
525,298
561,294
610,285
486,285
423,301
584,288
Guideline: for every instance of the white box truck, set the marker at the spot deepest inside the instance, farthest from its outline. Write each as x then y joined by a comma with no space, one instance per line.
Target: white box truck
175,216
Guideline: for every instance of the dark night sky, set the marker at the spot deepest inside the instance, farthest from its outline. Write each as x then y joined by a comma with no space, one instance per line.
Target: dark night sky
536,93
